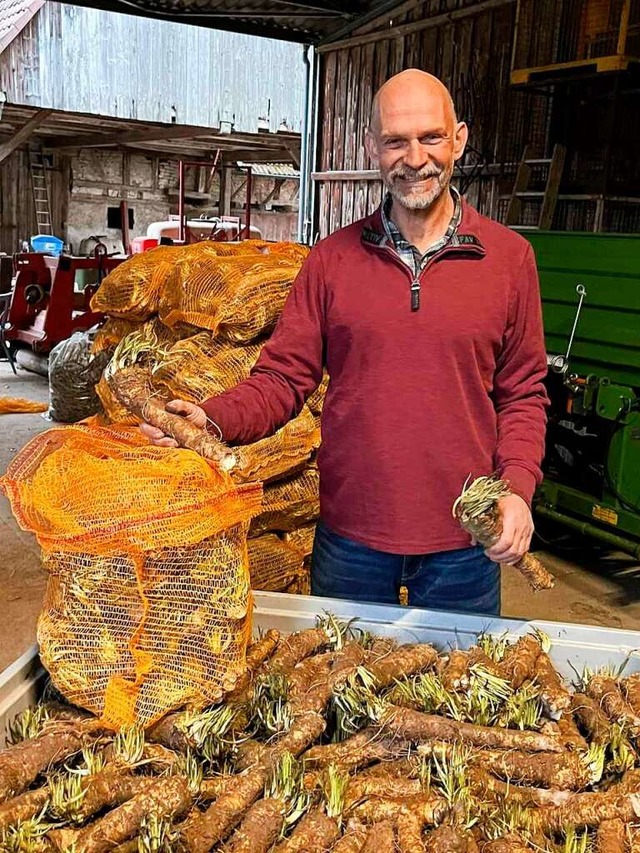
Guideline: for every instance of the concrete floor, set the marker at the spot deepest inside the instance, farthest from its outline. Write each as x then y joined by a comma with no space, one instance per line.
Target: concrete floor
22,581
592,587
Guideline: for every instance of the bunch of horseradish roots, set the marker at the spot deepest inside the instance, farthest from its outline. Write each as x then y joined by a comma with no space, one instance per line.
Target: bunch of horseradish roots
338,740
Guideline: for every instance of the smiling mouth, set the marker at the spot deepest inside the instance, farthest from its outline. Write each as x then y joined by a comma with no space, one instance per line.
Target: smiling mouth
417,180
412,184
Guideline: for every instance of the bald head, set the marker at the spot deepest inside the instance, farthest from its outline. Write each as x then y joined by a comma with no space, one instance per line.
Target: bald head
409,91
415,138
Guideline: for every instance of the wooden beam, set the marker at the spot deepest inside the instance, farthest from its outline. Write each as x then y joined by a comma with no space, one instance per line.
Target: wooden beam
256,156
414,26
624,28
383,19
202,151
544,73
295,155
244,23
24,133
488,170
238,190
353,175
107,140
275,192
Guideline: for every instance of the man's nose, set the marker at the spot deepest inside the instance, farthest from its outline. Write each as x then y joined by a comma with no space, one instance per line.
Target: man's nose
416,156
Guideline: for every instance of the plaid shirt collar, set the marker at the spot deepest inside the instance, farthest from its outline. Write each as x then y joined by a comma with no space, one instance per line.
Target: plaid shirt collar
408,253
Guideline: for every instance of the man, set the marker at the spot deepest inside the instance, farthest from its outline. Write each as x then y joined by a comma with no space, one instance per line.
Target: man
427,317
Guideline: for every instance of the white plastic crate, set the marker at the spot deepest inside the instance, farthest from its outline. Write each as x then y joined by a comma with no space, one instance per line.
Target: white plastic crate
574,646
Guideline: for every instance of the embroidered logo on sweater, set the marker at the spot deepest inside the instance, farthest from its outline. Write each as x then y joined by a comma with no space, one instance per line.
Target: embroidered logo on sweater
371,236
468,240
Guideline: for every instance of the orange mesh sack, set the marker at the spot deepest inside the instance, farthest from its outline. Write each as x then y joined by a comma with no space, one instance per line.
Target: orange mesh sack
129,432
301,539
289,503
239,298
293,251
20,406
200,367
163,335
117,328
273,565
148,602
132,289
114,330
302,584
316,400
280,455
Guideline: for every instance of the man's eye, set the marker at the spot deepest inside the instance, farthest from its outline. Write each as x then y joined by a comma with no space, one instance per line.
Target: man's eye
393,143
432,139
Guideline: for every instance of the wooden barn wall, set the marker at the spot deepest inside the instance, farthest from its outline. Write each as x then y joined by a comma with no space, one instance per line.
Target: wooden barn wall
17,211
472,55
88,60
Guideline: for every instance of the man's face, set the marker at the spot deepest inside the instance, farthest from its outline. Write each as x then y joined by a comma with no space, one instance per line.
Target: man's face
415,143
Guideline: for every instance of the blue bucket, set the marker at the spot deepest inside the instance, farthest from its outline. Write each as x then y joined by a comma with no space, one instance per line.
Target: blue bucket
47,245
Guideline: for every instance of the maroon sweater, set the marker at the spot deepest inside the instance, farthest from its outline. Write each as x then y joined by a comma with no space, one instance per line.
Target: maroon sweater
417,400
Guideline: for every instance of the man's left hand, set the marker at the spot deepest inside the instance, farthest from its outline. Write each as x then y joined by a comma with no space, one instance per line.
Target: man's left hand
517,530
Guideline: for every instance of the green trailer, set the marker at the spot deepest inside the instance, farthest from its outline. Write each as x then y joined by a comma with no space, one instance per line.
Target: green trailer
590,286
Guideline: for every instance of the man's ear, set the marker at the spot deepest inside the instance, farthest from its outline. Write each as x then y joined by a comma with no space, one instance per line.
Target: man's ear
460,140
370,147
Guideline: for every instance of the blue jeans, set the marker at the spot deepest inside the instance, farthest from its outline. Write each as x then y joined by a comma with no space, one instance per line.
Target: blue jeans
464,580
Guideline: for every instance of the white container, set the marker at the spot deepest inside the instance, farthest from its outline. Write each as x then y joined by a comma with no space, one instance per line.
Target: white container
199,229
574,646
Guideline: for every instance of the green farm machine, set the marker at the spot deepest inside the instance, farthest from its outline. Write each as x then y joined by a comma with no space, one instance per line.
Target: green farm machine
590,287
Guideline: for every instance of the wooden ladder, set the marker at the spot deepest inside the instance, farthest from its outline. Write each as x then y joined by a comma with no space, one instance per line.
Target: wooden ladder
548,197
40,189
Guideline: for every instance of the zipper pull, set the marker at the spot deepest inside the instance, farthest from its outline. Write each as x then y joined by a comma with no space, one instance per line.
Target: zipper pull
415,294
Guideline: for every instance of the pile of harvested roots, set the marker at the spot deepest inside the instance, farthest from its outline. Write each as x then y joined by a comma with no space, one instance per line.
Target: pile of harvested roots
337,740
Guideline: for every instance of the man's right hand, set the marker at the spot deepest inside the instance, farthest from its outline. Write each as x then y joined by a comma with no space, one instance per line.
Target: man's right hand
189,411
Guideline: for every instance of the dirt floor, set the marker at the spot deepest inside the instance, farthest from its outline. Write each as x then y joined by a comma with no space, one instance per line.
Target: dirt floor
592,587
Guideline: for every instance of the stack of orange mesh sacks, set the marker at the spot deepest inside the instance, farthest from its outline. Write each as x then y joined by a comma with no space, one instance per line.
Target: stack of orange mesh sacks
211,307
148,603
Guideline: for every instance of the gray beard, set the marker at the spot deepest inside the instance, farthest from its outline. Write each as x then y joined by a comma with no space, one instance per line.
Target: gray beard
424,200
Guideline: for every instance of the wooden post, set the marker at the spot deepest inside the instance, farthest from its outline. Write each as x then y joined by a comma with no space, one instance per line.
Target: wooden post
624,28
224,206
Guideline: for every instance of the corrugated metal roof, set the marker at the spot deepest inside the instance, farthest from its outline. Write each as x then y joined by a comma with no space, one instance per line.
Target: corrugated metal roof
273,170
306,21
14,16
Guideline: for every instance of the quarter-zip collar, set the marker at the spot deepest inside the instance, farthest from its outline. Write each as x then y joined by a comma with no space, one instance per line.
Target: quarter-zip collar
465,242
412,256
466,237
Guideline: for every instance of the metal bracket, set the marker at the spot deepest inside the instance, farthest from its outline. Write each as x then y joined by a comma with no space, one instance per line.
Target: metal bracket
560,363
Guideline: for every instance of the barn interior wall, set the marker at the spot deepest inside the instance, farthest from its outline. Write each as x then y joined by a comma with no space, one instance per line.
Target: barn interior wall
472,53
17,209
84,186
